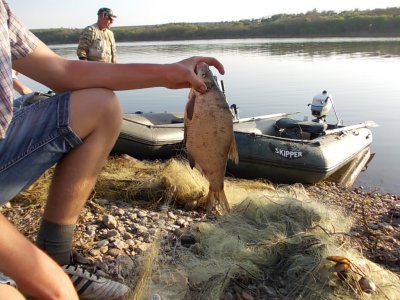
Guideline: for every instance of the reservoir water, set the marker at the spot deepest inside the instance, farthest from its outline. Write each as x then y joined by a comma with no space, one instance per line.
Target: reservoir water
266,76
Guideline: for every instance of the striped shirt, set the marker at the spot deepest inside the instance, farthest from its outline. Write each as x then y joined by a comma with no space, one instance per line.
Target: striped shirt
16,41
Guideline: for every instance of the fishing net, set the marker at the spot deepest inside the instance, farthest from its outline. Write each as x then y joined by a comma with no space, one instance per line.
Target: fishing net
274,244
189,187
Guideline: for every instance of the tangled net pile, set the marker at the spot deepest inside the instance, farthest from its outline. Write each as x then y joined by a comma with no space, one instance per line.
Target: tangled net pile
274,244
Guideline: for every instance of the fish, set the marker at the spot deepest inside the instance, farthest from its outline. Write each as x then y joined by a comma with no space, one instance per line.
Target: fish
209,137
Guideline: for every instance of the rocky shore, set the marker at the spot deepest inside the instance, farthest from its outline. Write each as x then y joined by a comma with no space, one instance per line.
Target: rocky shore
376,229
112,235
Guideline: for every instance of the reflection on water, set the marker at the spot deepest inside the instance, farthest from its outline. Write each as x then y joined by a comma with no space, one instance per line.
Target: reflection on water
369,47
279,75
306,48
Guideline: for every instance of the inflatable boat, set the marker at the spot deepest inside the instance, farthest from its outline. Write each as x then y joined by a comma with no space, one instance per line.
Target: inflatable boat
150,135
286,150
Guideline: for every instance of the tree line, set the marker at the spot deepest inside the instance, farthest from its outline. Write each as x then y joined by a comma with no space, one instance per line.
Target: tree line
354,23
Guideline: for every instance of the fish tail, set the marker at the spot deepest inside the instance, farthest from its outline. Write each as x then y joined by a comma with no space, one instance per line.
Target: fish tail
217,198
233,152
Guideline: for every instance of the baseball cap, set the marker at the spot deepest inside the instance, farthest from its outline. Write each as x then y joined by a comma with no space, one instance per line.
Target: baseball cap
106,12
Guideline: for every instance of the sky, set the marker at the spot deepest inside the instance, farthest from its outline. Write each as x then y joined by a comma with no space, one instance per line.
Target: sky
41,14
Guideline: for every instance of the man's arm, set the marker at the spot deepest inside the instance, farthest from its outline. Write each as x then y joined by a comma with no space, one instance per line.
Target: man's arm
85,41
8,292
113,48
36,274
20,87
61,74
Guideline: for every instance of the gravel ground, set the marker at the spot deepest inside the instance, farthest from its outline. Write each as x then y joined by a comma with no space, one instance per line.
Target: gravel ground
377,220
112,235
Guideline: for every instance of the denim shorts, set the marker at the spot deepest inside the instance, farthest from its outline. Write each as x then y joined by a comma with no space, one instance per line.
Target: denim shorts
38,136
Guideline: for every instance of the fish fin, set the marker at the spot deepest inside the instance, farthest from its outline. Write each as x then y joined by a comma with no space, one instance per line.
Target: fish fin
190,104
198,168
233,152
215,199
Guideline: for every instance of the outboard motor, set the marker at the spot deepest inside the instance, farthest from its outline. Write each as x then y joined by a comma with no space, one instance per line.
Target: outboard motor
235,112
320,106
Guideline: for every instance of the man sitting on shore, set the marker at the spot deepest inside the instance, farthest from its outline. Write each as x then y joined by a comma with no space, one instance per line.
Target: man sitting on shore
75,129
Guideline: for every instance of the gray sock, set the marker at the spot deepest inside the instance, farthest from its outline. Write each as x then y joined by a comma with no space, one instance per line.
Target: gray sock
56,241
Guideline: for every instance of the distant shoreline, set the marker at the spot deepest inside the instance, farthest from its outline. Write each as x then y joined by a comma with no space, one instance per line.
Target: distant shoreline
313,24
57,42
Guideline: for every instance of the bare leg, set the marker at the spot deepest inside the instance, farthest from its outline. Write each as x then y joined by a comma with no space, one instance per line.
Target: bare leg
96,116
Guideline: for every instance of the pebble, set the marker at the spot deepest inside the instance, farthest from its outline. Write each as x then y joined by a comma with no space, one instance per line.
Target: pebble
228,296
114,235
247,296
110,221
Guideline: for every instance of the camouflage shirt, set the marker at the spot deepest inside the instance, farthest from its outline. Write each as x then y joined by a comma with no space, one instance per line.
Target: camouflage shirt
96,44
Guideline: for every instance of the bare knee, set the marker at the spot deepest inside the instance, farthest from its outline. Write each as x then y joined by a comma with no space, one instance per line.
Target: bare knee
94,108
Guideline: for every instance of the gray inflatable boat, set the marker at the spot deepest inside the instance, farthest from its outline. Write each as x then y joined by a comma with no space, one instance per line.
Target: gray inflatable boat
151,135
285,150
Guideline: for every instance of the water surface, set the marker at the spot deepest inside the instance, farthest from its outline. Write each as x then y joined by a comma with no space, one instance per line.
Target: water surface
278,75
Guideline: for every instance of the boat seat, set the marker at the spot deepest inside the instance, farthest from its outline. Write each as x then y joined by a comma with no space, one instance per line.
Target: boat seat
313,128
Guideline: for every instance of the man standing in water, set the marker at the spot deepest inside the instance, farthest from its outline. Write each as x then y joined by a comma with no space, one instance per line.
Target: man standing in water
97,41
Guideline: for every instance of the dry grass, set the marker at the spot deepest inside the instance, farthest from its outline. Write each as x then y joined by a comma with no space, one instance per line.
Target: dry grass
149,183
